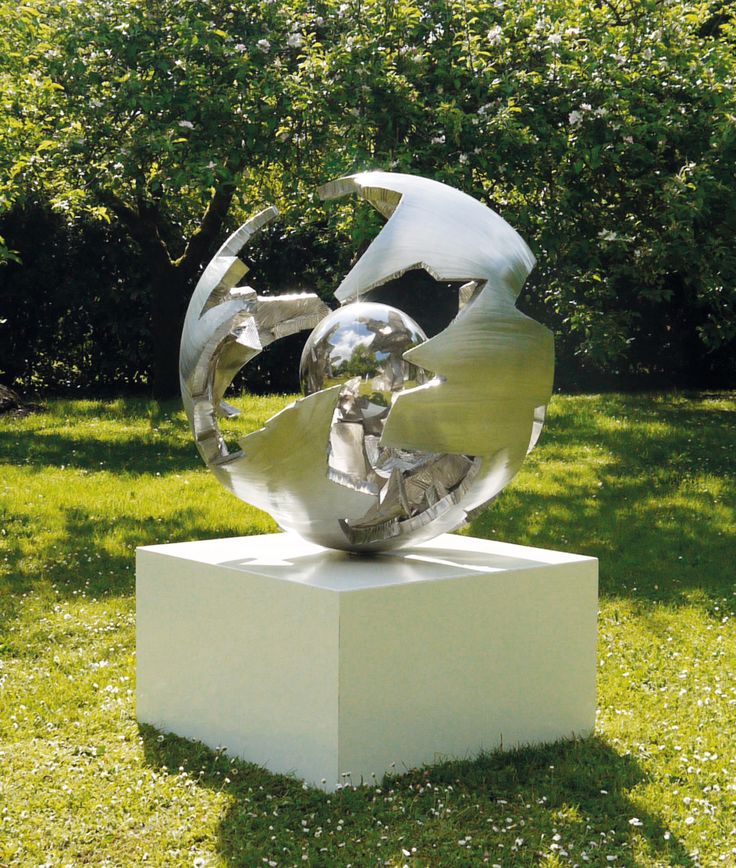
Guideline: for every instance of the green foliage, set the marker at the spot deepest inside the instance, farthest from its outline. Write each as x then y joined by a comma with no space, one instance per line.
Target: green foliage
605,133
7,255
151,102
644,483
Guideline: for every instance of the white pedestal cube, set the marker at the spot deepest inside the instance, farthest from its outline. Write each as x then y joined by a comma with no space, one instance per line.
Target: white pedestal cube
320,663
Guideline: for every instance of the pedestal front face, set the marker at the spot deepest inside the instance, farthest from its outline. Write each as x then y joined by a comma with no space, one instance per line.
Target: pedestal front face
320,663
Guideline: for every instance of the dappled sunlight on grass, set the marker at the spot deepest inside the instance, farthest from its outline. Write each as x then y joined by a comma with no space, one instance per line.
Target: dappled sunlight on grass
79,493
645,483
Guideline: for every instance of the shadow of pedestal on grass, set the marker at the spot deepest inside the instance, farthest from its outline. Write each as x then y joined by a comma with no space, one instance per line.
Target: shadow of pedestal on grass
515,808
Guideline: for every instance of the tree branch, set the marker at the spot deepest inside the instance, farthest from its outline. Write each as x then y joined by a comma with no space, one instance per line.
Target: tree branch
141,226
212,220
619,21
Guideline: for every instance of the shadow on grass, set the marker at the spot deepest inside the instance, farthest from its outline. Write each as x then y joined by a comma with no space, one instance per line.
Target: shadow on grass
134,455
656,506
577,790
95,554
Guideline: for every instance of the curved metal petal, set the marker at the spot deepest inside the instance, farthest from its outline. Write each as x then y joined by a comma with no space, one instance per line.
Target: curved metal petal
432,226
494,365
225,327
283,469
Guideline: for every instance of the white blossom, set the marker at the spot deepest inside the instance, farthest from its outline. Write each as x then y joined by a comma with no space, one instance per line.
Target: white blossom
494,35
188,125
264,44
554,39
295,40
574,117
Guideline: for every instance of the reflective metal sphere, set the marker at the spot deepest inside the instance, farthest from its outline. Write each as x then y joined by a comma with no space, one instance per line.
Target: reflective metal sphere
361,346
365,340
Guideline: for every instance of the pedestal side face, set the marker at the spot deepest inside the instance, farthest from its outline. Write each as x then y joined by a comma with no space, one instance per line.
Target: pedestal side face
315,662
451,668
237,659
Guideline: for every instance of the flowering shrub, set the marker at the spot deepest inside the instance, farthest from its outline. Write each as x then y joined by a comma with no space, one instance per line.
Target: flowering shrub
605,134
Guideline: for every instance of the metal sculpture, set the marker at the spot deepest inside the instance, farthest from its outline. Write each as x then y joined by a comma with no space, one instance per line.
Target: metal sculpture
399,438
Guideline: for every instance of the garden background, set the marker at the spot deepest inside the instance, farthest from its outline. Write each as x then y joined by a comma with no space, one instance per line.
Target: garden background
134,136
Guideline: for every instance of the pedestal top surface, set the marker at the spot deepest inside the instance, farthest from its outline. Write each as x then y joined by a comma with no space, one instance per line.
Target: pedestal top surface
290,558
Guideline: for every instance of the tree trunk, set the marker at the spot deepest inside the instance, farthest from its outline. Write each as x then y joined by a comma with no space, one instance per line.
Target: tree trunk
171,280
8,400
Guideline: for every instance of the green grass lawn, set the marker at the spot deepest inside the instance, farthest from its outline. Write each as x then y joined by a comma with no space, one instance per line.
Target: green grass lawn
645,483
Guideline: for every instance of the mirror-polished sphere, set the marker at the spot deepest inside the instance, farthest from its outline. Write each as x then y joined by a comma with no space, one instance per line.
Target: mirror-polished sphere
364,340
361,347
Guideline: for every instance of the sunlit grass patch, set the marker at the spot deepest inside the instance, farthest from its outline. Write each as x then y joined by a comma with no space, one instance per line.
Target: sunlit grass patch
645,483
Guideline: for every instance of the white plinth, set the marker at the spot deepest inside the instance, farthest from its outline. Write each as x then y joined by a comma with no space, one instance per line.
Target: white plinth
316,662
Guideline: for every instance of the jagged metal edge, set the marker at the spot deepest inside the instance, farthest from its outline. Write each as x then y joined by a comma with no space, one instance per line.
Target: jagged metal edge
492,284
224,328
292,479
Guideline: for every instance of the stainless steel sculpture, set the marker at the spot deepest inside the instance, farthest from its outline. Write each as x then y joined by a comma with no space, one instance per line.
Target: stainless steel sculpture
399,438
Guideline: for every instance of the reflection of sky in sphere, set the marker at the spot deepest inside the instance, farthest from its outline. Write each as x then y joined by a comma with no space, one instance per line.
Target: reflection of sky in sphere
365,340
344,342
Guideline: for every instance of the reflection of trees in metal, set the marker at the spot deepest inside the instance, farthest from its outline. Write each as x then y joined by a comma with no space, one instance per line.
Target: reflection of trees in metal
377,455
362,340
362,345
